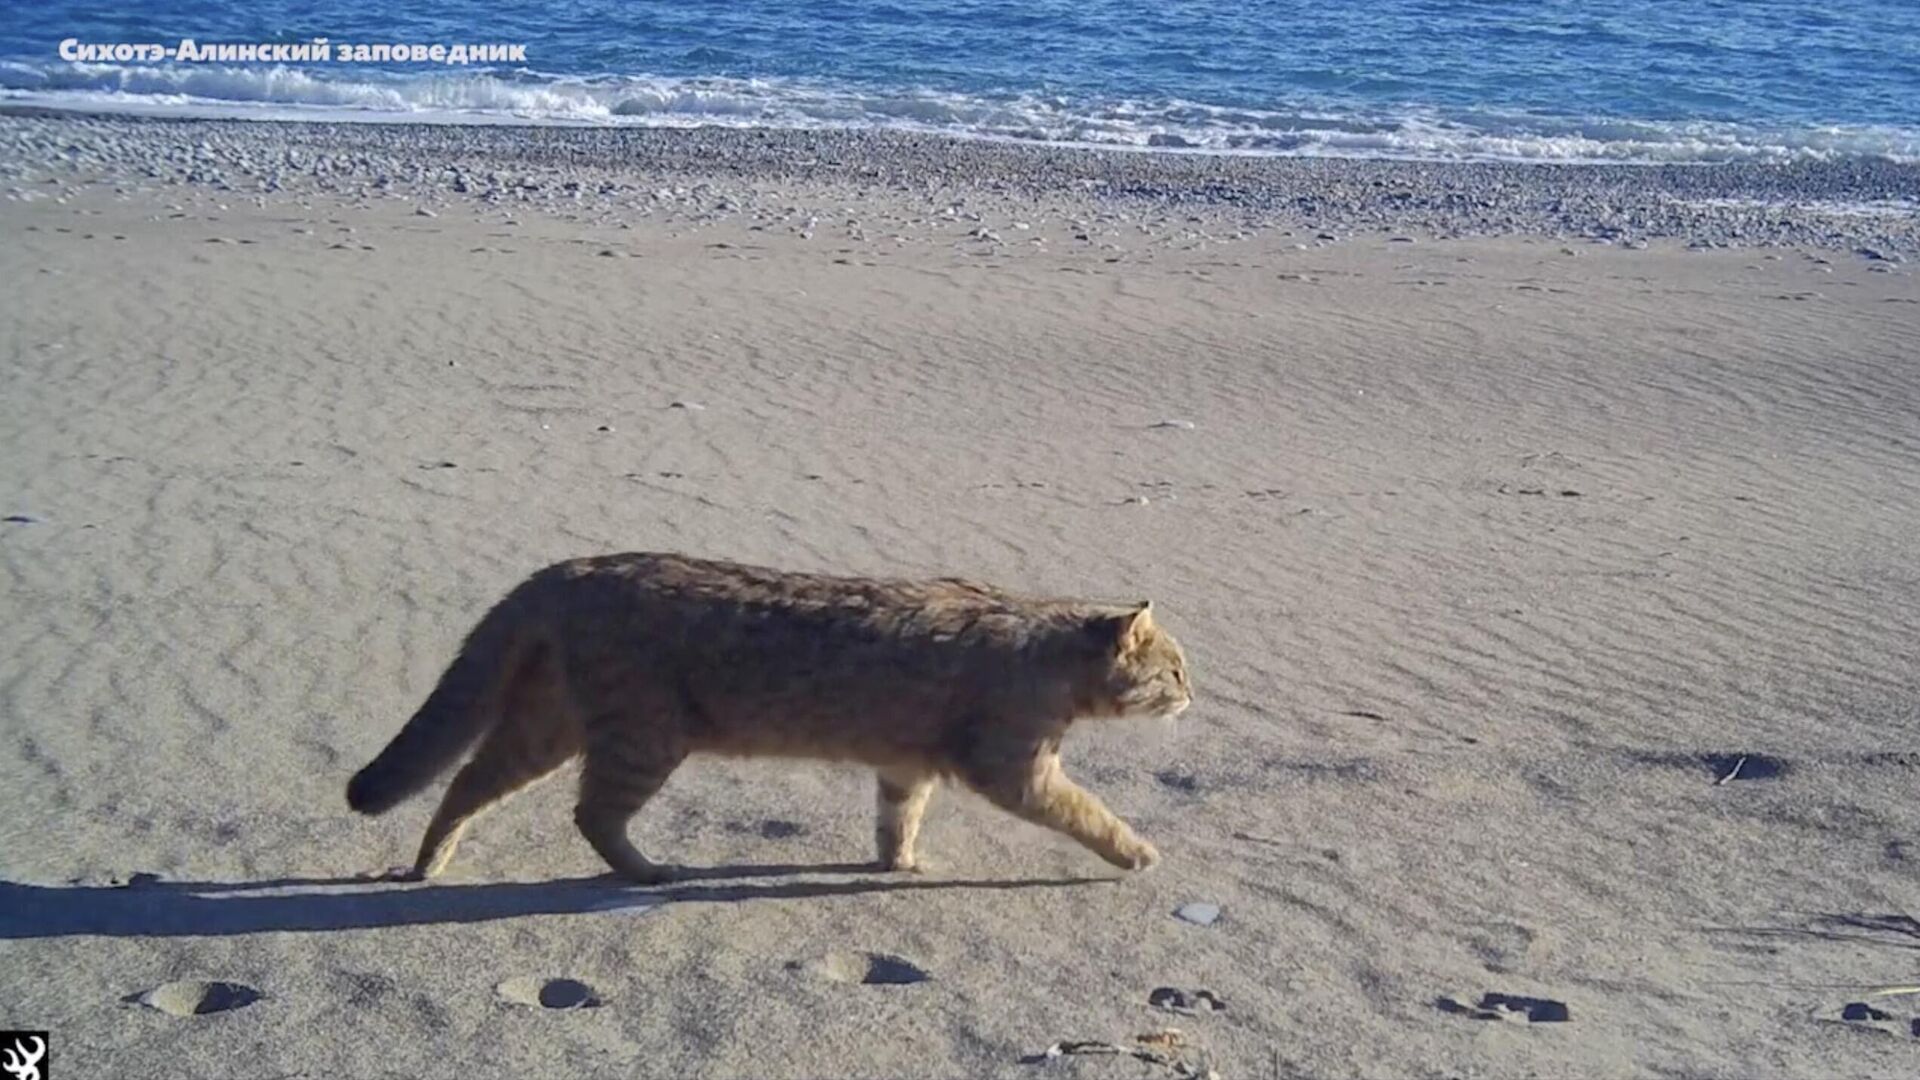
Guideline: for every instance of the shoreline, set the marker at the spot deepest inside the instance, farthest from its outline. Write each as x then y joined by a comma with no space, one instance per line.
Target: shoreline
1834,206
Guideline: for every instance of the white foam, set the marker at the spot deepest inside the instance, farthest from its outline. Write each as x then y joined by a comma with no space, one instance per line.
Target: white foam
1889,208
469,96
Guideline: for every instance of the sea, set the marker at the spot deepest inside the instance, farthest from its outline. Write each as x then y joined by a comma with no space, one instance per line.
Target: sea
1657,81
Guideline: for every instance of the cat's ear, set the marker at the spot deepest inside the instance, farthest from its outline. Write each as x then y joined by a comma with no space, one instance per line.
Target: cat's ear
1140,624
1122,632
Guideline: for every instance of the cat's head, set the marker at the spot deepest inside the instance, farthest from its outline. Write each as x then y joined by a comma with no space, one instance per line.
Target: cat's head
1140,668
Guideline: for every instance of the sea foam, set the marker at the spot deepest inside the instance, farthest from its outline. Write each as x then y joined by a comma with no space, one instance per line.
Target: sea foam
1170,125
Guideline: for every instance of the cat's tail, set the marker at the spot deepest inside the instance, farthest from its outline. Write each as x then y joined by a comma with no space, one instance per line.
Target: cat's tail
463,707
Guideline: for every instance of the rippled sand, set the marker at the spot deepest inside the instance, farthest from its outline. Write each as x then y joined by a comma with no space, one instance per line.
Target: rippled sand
1553,611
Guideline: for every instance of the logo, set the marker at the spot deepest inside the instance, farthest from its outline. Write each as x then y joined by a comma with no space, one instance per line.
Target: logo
23,1054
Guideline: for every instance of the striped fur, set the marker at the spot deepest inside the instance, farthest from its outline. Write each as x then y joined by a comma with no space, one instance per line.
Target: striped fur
634,662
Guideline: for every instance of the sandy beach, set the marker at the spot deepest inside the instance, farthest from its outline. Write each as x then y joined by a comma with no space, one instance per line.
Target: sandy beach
1546,546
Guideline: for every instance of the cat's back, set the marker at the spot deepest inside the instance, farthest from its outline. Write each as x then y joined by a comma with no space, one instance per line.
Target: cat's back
668,592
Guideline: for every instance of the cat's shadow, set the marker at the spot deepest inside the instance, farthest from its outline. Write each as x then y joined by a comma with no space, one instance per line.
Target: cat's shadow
218,909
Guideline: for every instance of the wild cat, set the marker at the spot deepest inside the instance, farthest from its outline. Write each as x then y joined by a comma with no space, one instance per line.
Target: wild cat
636,661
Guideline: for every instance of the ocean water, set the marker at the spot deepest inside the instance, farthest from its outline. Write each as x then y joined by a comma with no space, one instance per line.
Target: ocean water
1556,80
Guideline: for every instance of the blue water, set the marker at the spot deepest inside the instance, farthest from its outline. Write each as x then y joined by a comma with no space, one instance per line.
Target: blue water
1636,80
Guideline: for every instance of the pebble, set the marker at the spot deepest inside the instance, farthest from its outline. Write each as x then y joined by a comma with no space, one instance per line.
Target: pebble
1198,912
699,172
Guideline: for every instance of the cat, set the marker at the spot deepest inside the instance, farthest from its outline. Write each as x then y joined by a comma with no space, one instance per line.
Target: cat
635,661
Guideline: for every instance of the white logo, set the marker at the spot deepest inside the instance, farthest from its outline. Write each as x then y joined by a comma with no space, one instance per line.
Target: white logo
317,51
25,1067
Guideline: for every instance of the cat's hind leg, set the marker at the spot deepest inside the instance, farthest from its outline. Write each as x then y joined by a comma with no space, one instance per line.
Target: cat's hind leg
900,801
533,740
624,768
1038,790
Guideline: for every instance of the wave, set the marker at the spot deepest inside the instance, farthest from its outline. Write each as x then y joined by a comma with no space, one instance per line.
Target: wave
1324,129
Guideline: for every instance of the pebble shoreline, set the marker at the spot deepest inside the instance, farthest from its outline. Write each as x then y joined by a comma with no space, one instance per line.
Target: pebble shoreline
1867,207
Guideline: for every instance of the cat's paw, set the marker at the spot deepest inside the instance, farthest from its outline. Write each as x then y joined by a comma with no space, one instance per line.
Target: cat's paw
643,872
907,865
393,873
1140,856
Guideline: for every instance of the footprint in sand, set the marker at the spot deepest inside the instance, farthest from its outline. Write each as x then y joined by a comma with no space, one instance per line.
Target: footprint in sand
1861,1014
1184,782
1860,1011
864,968
535,992
1494,1006
770,829
1724,767
1731,767
193,998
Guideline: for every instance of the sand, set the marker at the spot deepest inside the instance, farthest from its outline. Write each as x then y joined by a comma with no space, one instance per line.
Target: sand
1553,611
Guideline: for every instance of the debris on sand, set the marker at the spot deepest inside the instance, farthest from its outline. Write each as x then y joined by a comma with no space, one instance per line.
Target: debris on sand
1184,1002
1198,912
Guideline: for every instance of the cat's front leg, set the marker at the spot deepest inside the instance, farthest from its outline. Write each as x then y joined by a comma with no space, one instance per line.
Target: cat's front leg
1045,796
900,802
1099,828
